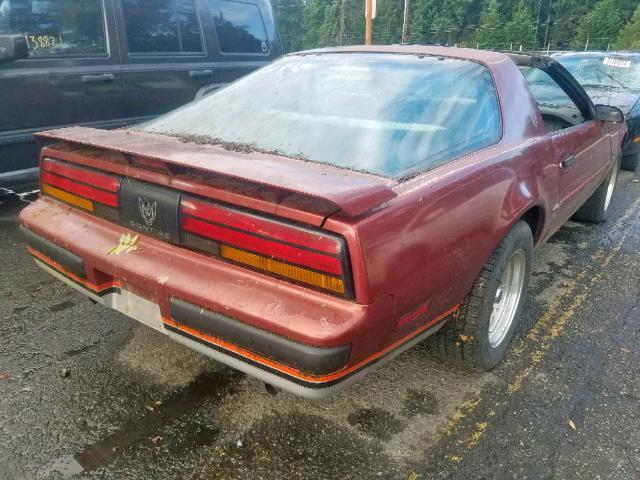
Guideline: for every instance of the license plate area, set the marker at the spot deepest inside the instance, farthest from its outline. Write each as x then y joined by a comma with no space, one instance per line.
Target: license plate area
134,306
150,209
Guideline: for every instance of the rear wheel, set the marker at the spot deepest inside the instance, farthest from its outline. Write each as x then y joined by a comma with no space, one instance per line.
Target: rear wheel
479,333
596,208
631,162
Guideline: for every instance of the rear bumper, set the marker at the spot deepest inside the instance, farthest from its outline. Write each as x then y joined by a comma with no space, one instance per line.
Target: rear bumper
306,342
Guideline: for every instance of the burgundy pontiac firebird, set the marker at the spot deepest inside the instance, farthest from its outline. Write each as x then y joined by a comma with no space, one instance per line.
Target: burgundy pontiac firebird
331,210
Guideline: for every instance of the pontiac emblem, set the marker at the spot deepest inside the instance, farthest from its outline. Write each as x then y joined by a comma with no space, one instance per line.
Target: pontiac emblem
147,210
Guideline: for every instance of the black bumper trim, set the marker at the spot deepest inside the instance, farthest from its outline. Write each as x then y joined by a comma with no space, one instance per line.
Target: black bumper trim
69,261
306,358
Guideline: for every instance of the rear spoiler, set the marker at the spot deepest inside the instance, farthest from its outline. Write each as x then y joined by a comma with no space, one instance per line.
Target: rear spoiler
352,192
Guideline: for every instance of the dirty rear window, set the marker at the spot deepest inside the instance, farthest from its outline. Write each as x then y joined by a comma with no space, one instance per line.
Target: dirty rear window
391,115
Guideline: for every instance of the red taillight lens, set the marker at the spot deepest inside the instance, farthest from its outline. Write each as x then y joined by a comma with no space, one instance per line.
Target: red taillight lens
304,256
81,187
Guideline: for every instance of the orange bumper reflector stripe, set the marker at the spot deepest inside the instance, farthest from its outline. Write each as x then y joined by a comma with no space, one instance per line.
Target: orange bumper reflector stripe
296,373
67,197
88,285
280,268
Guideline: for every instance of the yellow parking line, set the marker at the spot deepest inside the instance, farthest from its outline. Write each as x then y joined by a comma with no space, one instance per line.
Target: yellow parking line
556,328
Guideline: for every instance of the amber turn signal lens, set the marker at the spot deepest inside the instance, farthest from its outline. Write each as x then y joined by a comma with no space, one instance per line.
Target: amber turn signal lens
67,197
283,269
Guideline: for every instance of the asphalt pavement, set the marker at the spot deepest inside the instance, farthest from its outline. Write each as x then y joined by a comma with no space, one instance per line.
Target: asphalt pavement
87,393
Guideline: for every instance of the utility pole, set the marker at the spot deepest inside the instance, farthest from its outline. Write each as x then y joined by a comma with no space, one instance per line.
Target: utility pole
405,23
368,17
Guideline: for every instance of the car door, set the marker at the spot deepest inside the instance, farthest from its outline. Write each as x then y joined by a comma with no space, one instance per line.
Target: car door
165,56
581,144
72,74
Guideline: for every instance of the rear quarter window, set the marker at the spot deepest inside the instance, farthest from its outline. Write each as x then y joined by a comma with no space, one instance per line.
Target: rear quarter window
56,28
239,27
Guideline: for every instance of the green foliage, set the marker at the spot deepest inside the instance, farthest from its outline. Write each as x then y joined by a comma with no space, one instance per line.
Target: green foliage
388,23
521,29
290,16
319,23
489,33
629,38
600,26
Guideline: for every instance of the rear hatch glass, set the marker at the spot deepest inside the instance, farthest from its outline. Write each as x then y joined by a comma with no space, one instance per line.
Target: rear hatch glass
388,114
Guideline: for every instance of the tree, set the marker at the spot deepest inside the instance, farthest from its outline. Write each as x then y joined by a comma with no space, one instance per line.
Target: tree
629,38
388,23
521,29
489,33
289,15
343,23
420,20
314,15
599,27
449,19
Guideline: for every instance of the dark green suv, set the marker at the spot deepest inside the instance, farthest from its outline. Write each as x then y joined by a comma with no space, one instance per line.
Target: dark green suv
111,63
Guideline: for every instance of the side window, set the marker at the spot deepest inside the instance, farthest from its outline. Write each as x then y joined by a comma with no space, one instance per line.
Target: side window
162,26
557,109
239,27
60,27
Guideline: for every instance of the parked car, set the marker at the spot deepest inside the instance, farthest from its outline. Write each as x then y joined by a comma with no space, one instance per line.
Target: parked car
612,78
111,63
325,213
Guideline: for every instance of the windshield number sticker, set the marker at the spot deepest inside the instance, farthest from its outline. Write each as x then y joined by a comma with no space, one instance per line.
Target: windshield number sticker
43,41
616,62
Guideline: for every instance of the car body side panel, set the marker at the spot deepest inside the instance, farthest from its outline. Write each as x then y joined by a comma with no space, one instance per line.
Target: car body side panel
589,144
426,247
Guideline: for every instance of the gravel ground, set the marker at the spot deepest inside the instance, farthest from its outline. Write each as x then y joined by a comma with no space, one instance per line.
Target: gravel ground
86,392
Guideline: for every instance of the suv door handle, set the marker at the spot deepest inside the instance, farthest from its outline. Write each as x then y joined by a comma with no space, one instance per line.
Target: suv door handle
106,77
200,73
568,162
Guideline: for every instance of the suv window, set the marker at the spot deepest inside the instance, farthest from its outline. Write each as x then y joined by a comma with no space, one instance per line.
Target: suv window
239,27
557,109
61,27
162,26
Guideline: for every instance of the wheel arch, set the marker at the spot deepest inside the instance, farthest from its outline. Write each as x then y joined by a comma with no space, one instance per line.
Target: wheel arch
535,217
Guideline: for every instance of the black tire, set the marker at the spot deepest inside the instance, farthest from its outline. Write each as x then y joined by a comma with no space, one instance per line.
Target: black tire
596,208
630,162
464,339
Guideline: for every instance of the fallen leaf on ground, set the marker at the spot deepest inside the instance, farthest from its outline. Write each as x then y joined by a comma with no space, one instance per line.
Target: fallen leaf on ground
572,425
